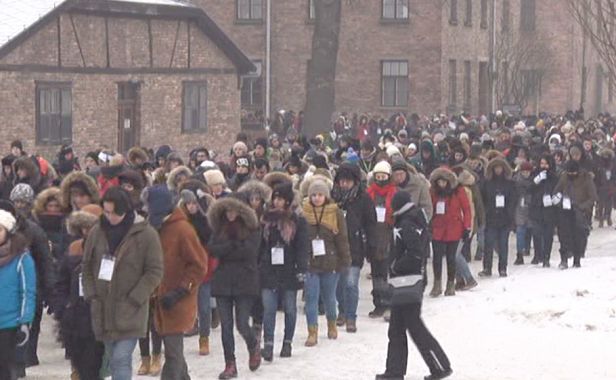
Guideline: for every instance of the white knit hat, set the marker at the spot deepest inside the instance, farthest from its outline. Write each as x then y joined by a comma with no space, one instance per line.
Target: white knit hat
214,177
7,220
382,167
392,150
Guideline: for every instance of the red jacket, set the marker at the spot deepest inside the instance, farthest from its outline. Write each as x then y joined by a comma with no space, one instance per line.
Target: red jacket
457,217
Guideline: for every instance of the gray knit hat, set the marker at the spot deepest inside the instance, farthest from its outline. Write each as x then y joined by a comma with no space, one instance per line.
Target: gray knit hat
22,192
318,186
187,196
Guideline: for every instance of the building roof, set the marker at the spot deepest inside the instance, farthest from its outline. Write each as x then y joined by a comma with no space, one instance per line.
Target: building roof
19,19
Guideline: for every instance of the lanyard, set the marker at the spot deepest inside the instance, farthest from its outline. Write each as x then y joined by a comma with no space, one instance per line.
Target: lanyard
319,219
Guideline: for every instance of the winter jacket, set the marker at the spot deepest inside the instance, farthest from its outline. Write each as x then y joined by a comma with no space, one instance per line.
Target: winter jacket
185,265
360,216
381,197
296,250
469,179
581,190
18,296
53,224
120,307
541,212
522,208
419,187
495,187
426,166
43,261
70,180
452,212
236,245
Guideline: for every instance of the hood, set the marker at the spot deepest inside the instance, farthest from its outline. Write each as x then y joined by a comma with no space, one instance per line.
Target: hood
44,196
276,178
305,185
258,187
498,161
493,153
446,174
74,177
79,220
216,213
427,144
136,153
32,170
466,178
606,153
171,178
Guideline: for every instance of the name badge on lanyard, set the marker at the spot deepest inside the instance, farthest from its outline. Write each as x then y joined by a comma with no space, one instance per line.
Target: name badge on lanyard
500,201
566,203
440,208
547,200
380,214
106,271
80,284
318,247
278,256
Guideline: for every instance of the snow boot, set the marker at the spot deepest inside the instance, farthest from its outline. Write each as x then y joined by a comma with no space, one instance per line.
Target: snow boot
577,263
204,346
563,265
377,312
450,290
340,321
485,273
388,376
351,327
520,259
332,330
267,353
230,371
254,360
502,272
313,332
156,365
546,264
470,285
437,289
144,368
286,350
74,374
439,375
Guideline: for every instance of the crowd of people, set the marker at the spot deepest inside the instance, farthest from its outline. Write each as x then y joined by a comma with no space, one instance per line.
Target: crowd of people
148,247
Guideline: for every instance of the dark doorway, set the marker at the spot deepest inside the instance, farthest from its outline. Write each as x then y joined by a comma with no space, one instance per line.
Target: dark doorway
129,116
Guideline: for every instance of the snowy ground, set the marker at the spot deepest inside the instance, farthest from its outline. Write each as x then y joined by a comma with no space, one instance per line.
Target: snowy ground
536,324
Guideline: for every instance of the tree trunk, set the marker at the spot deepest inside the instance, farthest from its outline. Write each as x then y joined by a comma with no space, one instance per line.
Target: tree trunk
320,96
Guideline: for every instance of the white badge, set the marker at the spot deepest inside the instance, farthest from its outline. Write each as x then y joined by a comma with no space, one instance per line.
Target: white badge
522,202
608,175
500,201
380,214
566,203
547,200
365,132
440,208
344,212
80,284
106,271
318,247
277,256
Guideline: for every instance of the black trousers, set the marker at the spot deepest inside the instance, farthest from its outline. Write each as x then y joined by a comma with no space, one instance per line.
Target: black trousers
380,287
175,367
243,307
448,250
408,318
7,353
86,356
157,342
573,238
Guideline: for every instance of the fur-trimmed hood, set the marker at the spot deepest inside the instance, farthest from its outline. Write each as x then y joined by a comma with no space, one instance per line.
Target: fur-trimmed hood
489,174
446,174
256,187
216,214
79,220
32,170
136,153
73,178
305,185
606,153
493,153
43,198
172,177
467,178
276,178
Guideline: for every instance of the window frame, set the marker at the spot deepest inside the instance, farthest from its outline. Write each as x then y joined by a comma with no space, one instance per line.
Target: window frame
452,85
483,23
397,103
506,16
453,12
252,78
468,13
528,15
395,19
60,86
250,19
199,84
467,102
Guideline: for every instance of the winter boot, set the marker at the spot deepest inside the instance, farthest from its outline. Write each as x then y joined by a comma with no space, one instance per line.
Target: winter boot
485,273
204,346
470,285
254,360
520,259
144,368
439,375
450,290
286,350
546,263
563,265
230,371
377,312
332,330
388,376
313,332
502,272
351,327
215,319
74,374
341,321
437,289
156,365
267,353
577,263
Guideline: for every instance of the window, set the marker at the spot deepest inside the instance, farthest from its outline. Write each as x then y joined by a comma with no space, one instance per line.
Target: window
453,85
311,13
453,12
194,116
252,88
506,16
54,113
527,15
468,18
395,83
610,89
467,86
249,9
483,88
505,76
484,14
395,10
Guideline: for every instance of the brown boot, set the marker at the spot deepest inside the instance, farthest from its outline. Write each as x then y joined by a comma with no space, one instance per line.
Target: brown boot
351,327
204,346
144,368
74,374
313,332
437,289
156,365
332,330
340,321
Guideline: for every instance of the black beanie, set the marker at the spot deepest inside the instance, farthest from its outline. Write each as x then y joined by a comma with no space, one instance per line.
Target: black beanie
284,191
320,162
348,171
262,141
400,199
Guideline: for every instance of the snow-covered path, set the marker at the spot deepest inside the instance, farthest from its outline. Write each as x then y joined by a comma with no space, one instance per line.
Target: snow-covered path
536,324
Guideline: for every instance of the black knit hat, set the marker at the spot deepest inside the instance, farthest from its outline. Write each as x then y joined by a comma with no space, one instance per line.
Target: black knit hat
400,199
295,161
262,141
284,191
348,171
93,156
320,162
399,165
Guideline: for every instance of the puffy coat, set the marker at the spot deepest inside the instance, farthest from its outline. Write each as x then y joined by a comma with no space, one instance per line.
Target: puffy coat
449,224
540,212
581,190
469,179
18,297
494,186
522,208
419,187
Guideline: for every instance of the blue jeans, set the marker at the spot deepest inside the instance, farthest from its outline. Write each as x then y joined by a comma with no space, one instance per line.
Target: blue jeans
347,293
270,307
121,358
205,314
496,238
462,269
323,284
522,242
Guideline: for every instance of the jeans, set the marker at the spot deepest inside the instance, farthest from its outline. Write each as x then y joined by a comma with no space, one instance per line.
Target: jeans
522,241
447,249
481,239
205,309
463,271
347,293
243,306
121,358
323,284
496,238
270,307
175,366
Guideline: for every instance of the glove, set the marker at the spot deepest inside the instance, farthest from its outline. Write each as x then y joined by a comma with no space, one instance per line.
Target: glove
172,297
556,198
301,277
466,234
23,335
538,179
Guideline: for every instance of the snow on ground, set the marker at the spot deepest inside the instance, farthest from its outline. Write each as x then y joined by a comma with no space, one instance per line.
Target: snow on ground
536,324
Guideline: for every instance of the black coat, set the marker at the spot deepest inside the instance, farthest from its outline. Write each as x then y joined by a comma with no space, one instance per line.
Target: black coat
538,213
502,216
360,216
39,249
296,256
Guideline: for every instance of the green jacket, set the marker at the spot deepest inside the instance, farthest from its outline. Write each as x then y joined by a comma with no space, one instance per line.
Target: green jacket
338,253
119,307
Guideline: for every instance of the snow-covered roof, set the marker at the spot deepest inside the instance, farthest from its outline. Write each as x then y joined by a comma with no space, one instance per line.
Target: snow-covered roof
17,15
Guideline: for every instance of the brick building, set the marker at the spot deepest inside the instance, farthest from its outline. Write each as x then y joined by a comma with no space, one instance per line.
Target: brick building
116,73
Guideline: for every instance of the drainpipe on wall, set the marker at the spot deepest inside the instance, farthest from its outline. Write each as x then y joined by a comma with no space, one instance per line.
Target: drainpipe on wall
268,56
493,56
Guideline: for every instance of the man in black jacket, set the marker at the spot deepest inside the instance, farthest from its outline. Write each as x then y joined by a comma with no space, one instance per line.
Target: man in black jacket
543,213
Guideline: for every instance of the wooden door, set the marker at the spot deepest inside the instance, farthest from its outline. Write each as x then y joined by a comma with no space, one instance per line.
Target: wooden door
128,115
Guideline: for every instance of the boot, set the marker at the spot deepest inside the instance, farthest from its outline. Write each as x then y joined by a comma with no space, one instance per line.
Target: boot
576,263
230,371
437,289
470,285
601,223
439,375
74,374
267,353
485,273
502,272
563,265
351,327
286,350
254,360
450,290
155,365
387,376
144,368
332,330
520,259
340,321
204,346
546,263
377,312
313,332
215,318
535,260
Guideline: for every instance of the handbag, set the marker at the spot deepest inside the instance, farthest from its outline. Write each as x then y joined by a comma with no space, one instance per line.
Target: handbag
406,289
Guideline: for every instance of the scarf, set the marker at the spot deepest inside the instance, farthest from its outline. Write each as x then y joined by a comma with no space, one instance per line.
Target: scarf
386,192
344,197
326,215
6,254
281,221
115,234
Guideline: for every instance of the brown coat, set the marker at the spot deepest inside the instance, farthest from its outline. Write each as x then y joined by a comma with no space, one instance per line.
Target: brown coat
185,263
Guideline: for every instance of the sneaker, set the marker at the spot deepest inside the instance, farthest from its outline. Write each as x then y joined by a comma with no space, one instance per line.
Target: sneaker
267,353
377,312
439,375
